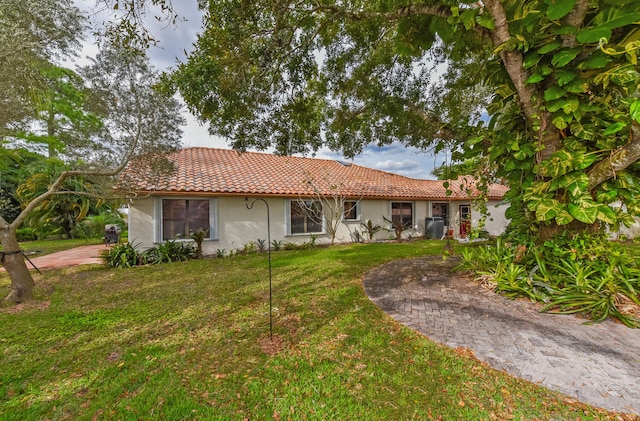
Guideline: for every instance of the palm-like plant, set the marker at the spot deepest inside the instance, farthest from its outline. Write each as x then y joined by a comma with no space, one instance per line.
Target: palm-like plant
370,229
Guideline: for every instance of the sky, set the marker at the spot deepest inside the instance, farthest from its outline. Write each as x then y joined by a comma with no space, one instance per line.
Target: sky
175,41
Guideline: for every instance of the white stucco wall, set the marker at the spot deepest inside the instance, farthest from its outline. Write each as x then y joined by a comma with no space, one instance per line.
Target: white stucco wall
495,222
236,225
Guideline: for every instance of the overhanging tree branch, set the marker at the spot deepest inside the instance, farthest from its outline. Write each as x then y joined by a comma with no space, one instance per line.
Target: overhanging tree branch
617,161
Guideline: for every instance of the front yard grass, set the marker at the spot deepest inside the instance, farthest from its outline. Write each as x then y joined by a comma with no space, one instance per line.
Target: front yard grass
190,340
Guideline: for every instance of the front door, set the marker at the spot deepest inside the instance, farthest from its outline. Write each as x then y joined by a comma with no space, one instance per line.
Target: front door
465,220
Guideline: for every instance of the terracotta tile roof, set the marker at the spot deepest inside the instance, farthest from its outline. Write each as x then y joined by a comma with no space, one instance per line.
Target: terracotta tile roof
228,172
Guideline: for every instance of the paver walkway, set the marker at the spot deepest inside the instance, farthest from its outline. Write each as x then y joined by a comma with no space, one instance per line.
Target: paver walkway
597,364
82,255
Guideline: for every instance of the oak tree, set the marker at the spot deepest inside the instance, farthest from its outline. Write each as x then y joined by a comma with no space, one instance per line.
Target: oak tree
558,80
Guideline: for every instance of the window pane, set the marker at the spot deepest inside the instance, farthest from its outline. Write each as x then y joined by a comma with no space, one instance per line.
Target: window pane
181,217
350,210
198,216
174,213
402,213
305,217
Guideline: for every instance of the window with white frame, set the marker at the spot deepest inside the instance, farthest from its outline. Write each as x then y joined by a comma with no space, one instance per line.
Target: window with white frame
351,210
180,218
305,217
402,213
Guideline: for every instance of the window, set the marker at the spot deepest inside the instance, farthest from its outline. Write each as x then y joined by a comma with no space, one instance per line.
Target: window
351,211
305,217
180,218
402,213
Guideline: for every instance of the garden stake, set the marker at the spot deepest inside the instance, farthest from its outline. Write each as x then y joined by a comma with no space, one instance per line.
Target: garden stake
250,206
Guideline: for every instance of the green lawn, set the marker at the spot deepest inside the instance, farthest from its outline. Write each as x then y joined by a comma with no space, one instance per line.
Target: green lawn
190,340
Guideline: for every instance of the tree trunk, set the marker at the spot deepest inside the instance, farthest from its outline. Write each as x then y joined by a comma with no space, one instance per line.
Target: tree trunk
13,261
548,231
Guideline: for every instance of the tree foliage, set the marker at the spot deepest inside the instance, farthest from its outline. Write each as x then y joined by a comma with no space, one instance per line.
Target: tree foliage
66,120
32,33
137,122
559,81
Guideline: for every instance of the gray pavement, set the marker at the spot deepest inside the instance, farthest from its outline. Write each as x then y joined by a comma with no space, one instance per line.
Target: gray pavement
598,364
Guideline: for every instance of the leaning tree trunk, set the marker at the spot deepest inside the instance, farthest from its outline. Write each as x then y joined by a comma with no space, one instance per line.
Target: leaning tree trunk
13,261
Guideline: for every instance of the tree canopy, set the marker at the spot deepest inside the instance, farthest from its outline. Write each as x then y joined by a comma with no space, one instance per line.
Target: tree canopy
32,33
558,81
95,120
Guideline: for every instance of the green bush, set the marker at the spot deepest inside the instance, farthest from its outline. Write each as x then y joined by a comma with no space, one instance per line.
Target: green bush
93,226
26,234
123,255
171,251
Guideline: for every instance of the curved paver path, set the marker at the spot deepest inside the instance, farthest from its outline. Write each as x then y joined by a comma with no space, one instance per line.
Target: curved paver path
597,364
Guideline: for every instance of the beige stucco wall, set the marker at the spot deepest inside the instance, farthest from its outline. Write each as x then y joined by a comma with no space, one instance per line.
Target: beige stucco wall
141,223
495,222
236,225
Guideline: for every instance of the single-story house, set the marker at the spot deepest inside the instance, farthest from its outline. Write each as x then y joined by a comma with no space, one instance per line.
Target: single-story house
208,187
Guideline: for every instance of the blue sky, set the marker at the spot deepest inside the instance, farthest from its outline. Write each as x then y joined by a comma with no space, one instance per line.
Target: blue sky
174,41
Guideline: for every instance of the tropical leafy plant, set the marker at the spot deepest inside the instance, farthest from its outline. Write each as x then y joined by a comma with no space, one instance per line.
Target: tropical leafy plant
124,255
581,273
370,229
262,245
171,251
398,227
199,237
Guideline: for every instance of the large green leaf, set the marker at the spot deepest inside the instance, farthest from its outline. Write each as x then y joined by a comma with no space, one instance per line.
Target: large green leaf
597,60
627,220
566,105
634,110
548,209
531,59
606,197
583,131
485,21
547,48
534,78
559,8
593,35
577,86
587,215
564,218
564,57
606,214
576,183
564,76
615,128
554,92
560,121
617,17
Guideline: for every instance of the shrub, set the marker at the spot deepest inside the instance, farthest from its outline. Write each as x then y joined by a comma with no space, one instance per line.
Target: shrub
276,245
370,229
199,237
581,273
123,255
261,245
171,251
93,226
26,234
